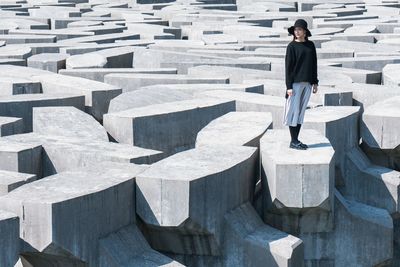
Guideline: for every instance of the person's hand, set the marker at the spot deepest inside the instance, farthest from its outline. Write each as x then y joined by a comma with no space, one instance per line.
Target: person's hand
314,88
289,92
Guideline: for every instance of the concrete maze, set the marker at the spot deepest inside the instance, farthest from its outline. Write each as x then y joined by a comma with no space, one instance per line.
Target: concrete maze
149,133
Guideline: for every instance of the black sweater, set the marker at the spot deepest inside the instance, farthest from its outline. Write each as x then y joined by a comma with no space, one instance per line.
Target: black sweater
300,63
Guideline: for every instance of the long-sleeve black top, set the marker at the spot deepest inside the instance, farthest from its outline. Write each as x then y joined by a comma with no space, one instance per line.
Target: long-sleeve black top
300,63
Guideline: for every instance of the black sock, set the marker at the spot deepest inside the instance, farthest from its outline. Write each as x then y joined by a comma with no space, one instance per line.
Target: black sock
293,130
297,131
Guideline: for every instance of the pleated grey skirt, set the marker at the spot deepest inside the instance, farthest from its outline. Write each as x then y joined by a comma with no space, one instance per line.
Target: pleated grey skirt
296,104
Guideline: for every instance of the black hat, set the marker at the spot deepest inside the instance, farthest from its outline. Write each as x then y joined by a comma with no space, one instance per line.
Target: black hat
299,23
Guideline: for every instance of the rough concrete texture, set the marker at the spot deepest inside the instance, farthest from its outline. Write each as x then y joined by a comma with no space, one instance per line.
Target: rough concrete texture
67,122
235,128
192,91
90,194
152,126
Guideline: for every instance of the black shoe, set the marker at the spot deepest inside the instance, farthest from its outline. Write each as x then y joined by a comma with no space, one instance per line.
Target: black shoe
303,145
297,146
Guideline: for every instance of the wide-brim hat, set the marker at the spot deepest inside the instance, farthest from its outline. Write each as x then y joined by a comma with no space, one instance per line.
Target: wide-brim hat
302,24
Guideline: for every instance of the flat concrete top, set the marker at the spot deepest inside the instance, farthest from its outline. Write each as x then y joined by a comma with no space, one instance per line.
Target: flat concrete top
120,70
34,97
234,128
162,76
8,177
170,107
5,215
386,108
198,163
6,120
80,83
78,144
275,145
72,184
7,145
247,97
48,57
329,113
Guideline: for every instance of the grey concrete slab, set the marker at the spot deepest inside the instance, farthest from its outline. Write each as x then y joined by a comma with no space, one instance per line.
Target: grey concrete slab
9,238
48,61
98,74
146,97
11,125
390,75
12,180
96,94
20,157
12,61
150,126
80,152
21,105
103,38
251,242
236,75
27,38
235,128
380,124
131,82
180,194
195,89
370,184
296,179
128,247
15,86
67,122
331,122
91,194
253,102
88,60
9,51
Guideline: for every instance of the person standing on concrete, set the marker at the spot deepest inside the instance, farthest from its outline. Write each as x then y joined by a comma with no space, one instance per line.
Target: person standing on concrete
301,78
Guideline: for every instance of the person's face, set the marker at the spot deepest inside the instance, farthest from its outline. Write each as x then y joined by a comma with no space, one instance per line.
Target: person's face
299,33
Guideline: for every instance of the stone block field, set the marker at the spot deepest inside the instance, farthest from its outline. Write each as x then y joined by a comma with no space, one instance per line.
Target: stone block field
150,133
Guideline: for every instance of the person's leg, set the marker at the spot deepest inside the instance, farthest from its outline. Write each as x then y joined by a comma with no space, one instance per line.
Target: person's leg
292,112
303,106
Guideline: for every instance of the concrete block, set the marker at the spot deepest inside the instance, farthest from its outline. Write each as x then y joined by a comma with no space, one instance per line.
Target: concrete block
16,86
131,82
147,97
67,122
179,197
379,132
253,102
98,73
12,180
330,122
128,247
369,183
90,194
20,157
88,60
11,125
235,75
48,61
168,127
390,75
97,95
297,179
81,152
9,238
250,242
21,106
194,89
235,128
